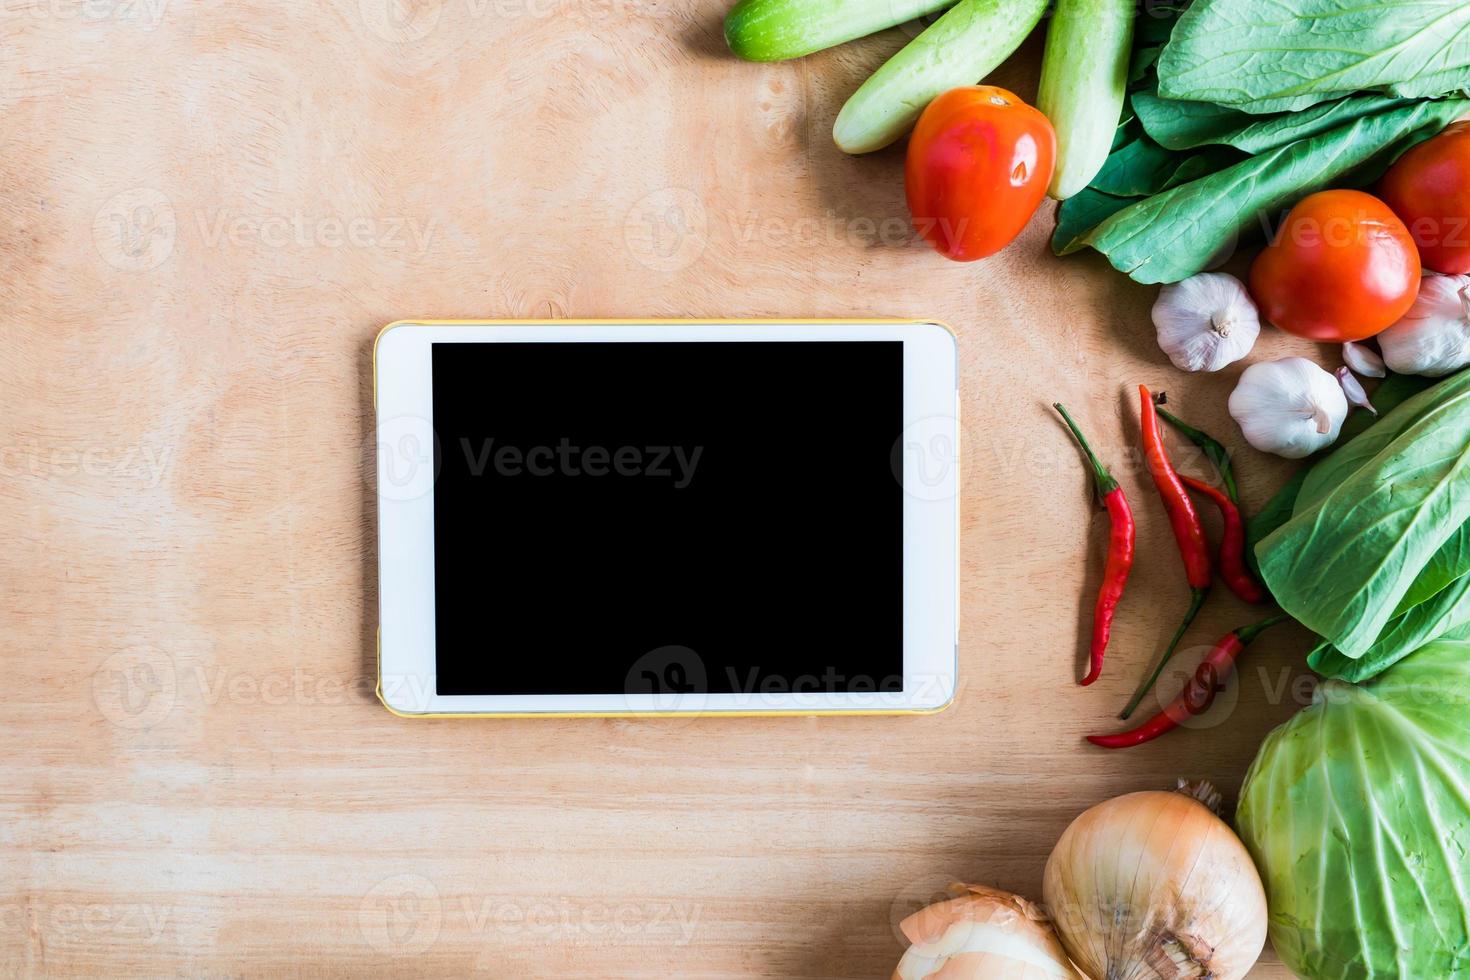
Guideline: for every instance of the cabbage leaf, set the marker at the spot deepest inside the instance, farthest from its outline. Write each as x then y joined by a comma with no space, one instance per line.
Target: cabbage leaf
1357,812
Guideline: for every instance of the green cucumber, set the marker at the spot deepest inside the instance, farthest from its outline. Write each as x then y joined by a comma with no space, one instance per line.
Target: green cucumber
775,30
1084,78
959,48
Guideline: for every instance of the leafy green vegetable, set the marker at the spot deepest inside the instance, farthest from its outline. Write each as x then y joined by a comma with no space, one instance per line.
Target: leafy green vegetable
1290,55
1186,125
1352,455
1276,513
1150,33
1173,235
773,30
1357,813
1081,213
1346,559
1197,165
1389,395
1136,169
1446,614
1141,167
1449,563
1399,399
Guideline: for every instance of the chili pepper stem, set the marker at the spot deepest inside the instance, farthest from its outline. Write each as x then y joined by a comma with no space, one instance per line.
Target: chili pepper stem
1105,482
1214,451
1196,601
1249,633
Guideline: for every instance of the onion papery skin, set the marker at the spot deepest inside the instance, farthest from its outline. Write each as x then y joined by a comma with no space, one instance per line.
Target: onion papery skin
987,934
1155,885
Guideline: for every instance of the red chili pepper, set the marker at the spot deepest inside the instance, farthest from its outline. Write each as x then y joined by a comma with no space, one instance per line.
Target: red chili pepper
1188,530
1213,449
1199,691
1232,543
1233,568
1189,533
1120,551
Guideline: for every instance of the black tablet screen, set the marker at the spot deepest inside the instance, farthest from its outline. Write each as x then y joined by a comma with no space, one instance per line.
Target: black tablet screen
636,517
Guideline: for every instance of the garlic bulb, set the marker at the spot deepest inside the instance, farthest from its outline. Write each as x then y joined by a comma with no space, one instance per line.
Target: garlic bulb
1363,359
1289,407
1433,338
1155,886
1206,322
985,935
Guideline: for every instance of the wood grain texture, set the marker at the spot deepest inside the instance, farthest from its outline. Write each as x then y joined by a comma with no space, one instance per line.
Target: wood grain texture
206,213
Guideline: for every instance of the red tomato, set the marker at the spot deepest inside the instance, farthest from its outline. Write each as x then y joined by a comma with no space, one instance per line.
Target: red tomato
1341,267
978,165
1429,189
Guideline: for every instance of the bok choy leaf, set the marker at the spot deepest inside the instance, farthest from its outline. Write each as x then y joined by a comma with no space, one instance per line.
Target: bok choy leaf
1350,555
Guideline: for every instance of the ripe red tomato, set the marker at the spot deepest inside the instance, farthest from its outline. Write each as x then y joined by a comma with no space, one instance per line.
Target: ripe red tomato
1341,267
978,165
1429,189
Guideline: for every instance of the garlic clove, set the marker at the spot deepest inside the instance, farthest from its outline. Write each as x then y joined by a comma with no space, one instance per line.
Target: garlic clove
1289,407
1352,389
1206,321
1433,338
1363,359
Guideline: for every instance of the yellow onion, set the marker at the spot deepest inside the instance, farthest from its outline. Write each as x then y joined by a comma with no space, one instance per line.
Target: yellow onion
1155,885
985,935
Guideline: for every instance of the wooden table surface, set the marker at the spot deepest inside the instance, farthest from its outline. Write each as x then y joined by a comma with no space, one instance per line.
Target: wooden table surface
208,210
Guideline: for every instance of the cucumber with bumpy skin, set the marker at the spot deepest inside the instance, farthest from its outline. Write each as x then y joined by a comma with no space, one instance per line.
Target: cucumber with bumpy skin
775,30
1084,78
960,48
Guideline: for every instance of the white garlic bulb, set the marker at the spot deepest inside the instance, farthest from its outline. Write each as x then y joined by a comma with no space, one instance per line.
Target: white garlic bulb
1289,407
1206,321
1433,338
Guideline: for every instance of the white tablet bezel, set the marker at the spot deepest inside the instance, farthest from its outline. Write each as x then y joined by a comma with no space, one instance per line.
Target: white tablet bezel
403,441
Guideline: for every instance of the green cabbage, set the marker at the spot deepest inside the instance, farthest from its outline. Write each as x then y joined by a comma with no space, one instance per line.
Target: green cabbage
1357,812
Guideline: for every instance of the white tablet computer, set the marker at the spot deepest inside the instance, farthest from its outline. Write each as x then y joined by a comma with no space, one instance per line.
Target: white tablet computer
645,517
